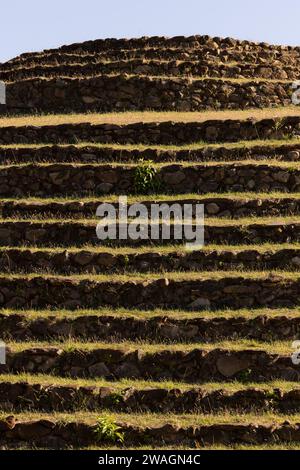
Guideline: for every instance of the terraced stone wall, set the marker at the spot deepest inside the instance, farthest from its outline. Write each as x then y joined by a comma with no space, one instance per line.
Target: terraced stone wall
62,398
222,293
74,307
90,67
224,207
77,234
281,58
117,93
168,133
100,154
68,179
173,42
161,328
47,433
194,366
66,262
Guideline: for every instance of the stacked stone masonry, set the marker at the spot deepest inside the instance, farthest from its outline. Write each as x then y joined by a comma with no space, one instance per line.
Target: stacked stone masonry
127,328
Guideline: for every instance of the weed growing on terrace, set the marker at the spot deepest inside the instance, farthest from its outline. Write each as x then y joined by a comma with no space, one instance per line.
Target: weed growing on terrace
146,178
107,430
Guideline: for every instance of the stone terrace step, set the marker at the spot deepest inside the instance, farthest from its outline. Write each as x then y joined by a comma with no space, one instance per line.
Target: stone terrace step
97,262
195,327
72,398
104,153
162,133
221,56
154,68
47,431
162,362
120,93
223,205
46,180
81,233
162,42
216,289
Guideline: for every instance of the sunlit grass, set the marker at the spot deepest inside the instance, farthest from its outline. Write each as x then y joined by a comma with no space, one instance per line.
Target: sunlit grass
121,384
159,165
161,249
175,314
253,196
89,146
71,345
280,276
157,419
131,117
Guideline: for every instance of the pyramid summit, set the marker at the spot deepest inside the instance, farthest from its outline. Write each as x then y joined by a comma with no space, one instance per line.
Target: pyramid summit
182,74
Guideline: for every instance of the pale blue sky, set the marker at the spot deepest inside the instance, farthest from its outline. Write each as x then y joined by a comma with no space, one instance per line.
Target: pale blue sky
28,25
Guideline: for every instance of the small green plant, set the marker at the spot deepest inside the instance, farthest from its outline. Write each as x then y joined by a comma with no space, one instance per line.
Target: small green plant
271,395
116,398
245,375
146,177
107,430
278,125
126,260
